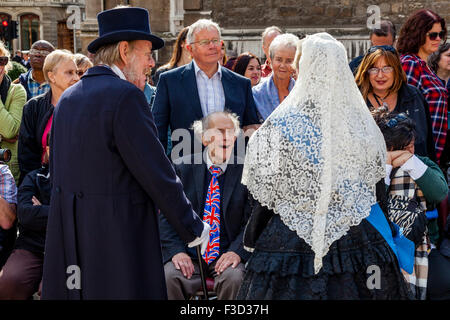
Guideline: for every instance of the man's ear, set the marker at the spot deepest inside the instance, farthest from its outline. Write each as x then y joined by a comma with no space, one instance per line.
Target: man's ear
189,48
124,51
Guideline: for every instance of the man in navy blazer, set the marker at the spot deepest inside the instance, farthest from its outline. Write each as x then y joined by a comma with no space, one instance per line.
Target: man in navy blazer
110,174
191,92
218,133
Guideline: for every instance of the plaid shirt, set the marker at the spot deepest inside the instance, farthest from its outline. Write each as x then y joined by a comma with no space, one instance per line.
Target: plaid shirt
36,88
8,189
420,75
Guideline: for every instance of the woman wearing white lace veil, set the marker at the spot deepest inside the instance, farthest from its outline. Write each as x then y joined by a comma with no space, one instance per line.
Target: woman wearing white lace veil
312,168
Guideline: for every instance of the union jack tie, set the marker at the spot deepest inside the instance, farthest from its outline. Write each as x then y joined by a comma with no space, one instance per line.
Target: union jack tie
211,215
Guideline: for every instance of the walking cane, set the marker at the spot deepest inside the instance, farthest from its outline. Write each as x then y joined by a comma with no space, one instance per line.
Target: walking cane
202,275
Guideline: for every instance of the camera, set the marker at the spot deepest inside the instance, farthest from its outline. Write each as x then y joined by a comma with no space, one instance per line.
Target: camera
5,155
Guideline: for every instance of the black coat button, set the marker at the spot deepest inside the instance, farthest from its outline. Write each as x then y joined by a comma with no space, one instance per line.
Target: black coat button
58,189
80,195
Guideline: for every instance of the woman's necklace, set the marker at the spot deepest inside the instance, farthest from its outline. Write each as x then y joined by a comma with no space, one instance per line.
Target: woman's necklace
384,104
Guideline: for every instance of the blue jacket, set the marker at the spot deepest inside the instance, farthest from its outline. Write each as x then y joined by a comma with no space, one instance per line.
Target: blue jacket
177,103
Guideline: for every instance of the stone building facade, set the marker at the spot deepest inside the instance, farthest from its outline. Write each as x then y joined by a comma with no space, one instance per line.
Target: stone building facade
41,19
241,21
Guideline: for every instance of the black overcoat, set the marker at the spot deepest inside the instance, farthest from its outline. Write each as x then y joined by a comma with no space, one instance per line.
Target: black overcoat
109,174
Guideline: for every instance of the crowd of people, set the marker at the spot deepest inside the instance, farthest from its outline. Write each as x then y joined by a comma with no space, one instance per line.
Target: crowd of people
288,178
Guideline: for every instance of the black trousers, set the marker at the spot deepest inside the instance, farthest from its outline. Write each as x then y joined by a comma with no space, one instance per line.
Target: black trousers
438,287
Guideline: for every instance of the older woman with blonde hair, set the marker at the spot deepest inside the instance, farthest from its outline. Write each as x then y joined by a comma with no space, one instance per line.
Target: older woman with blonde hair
382,82
60,71
12,98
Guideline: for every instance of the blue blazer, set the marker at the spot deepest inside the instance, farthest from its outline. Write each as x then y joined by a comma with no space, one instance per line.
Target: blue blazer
177,103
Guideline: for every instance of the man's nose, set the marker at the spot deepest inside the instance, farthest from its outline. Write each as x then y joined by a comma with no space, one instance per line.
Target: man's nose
152,62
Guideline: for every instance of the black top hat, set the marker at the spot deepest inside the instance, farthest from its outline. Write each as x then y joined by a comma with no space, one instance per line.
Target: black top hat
124,24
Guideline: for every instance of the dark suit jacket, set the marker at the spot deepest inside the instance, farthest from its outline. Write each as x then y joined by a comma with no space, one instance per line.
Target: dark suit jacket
109,173
177,103
235,208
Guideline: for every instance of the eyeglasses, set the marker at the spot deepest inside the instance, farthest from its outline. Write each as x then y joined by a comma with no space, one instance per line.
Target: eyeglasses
385,69
4,61
206,42
398,118
384,48
43,53
434,35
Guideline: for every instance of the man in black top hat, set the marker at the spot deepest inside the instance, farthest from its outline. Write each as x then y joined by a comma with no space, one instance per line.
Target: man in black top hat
110,174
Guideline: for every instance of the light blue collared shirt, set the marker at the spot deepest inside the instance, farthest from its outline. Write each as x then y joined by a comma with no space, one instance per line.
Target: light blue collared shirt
266,96
210,90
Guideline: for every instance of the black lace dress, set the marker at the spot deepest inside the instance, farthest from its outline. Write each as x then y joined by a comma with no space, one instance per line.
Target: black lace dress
282,264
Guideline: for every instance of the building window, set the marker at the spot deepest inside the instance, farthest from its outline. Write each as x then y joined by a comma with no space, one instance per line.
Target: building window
65,36
29,30
176,16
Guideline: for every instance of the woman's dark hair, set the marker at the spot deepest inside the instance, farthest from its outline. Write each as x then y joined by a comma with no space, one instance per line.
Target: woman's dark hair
177,49
242,61
414,31
433,59
398,130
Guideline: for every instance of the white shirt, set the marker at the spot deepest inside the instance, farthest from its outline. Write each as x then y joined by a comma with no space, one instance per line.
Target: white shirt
117,71
414,167
210,90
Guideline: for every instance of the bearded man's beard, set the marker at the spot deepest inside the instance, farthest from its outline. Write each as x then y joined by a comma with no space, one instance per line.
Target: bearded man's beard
132,72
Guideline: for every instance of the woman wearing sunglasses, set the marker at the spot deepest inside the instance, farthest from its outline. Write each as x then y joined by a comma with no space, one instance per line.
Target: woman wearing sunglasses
415,184
419,37
12,98
382,82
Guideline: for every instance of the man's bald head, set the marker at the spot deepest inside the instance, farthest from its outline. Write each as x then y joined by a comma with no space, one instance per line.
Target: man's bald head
43,44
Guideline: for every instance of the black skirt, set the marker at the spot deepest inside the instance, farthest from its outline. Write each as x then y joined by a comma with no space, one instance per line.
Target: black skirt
282,267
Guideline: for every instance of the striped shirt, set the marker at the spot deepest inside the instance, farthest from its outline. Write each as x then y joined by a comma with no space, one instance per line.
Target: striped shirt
8,189
210,90
420,75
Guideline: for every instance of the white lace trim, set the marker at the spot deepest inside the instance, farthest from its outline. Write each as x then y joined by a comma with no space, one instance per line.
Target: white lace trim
316,159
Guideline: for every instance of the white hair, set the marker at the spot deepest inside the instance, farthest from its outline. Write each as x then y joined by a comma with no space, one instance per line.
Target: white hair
269,30
287,41
201,126
201,24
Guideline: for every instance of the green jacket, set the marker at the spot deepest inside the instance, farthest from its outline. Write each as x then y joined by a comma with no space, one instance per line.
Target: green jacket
10,118
432,183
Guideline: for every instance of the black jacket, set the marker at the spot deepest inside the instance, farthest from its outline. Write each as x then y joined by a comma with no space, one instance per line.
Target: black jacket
109,174
32,220
411,101
234,209
36,113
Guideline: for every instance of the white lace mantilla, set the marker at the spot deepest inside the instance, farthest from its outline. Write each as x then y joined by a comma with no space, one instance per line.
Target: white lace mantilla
316,159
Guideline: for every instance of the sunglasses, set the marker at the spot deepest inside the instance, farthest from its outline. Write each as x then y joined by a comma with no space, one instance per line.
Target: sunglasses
42,53
4,61
434,35
384,48
398,118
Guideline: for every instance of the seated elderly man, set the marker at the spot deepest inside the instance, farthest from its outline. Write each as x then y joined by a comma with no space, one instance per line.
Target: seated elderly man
212,183
270,93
